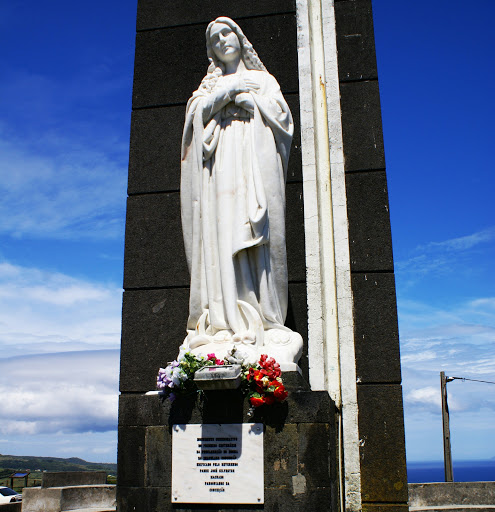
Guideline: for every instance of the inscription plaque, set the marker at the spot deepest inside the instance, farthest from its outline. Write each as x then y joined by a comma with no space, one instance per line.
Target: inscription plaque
218,463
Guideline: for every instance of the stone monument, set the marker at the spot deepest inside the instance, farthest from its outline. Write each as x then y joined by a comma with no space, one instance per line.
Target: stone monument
289,257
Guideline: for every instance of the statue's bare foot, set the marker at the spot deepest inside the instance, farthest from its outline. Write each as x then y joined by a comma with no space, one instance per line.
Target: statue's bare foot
285,346
277,337
246,337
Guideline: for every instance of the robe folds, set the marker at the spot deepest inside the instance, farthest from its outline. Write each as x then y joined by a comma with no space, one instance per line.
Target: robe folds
233,173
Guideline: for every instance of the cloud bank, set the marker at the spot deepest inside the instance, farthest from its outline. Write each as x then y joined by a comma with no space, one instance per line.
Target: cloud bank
59,393
43,311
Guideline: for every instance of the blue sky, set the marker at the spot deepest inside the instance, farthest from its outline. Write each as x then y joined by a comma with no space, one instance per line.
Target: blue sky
65,98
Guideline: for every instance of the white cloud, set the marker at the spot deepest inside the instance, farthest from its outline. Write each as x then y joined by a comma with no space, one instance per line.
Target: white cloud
462,243
441,258
43,311
59,393
427,355
426,395
69,191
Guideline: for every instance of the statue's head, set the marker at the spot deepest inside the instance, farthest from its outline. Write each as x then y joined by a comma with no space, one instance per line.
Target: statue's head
225,40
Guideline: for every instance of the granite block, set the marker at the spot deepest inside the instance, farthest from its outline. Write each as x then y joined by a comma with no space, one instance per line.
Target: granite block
355,40
158,457
159,51
370,239
294,232
154,156
143,499
375,328
152,410
310,407
362,126
154,247
316,454
131,456
297,500
156,14
140,410
223,407
153,328
382,445
280,454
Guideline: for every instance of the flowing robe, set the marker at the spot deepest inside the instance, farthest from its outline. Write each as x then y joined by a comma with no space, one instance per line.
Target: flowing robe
233,173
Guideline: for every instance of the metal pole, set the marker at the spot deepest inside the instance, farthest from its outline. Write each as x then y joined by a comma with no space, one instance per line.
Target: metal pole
447,452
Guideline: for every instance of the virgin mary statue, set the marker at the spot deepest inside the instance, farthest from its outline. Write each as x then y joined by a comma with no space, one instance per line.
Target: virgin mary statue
235,148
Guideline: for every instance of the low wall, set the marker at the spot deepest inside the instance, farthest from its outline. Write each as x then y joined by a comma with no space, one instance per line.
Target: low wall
58,499
451,493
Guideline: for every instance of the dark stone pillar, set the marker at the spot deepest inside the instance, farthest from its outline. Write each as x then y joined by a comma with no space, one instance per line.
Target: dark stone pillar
381,419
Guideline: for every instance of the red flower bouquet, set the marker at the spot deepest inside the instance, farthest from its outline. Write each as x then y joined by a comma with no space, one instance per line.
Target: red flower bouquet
265,383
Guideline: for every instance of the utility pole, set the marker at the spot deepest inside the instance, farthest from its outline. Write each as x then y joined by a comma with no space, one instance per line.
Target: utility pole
447,452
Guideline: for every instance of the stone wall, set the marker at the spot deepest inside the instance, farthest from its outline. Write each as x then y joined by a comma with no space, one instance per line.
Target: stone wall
300,470
450,494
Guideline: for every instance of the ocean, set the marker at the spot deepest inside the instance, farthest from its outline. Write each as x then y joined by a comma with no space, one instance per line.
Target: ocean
464,471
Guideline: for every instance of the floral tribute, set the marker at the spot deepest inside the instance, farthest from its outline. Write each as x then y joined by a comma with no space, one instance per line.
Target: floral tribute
261,381
265,382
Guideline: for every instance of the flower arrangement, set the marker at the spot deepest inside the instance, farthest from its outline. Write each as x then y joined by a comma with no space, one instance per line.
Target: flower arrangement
261,381
265,382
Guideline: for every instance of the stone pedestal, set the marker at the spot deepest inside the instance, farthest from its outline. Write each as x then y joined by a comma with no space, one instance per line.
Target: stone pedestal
300,459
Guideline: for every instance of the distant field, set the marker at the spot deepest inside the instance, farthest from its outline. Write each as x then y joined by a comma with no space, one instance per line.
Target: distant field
36,465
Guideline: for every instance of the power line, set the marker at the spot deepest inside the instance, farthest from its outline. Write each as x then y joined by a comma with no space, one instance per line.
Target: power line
473,380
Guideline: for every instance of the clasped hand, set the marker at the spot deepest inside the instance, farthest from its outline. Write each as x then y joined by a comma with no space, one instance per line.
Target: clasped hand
239,89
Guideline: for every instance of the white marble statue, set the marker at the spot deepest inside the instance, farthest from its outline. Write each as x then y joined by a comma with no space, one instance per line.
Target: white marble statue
235,149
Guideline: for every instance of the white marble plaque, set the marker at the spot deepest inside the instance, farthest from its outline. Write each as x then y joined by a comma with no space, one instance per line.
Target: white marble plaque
218,463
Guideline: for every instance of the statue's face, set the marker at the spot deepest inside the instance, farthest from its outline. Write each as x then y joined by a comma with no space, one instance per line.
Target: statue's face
225,42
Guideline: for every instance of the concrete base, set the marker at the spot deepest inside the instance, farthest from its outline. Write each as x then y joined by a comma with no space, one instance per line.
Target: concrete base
458,496
96,498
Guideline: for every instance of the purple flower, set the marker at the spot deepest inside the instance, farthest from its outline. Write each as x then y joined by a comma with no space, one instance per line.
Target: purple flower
170,377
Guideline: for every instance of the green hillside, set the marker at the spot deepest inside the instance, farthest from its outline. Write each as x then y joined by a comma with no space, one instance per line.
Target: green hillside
11,463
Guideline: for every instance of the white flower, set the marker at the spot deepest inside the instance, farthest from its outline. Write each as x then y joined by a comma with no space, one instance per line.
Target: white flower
182,353
236,356
178,375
